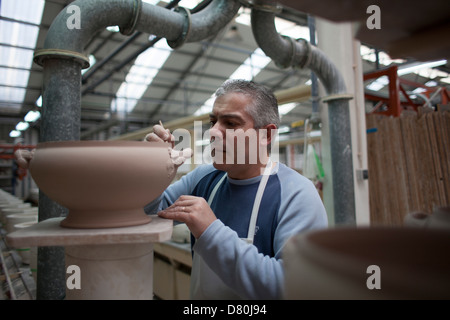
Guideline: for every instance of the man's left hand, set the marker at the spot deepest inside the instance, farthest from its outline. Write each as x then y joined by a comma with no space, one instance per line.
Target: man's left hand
194,211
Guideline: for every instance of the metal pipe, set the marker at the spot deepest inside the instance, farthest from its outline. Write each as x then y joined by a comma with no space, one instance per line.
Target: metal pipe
315,118
287,52
121,47
67,41
59,121
135,54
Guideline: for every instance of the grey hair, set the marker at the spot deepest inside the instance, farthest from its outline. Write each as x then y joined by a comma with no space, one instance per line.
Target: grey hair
264,106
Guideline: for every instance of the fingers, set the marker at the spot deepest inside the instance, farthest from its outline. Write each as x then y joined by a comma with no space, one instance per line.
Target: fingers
180,209
23,157
164,134
160,134
152,137
177,211
194,211
179,157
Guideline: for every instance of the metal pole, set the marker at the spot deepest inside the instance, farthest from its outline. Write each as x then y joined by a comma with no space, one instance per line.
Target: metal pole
60,121
287,52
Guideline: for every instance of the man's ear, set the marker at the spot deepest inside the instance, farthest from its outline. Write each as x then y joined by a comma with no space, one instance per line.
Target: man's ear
268,134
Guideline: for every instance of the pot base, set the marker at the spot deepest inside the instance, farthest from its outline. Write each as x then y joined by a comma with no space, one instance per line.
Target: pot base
106,219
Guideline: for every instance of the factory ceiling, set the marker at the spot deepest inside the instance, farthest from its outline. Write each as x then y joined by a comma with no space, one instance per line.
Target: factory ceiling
136,81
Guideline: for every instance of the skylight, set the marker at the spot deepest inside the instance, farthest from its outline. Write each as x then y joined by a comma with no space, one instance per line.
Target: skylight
247,70
284,27
140,76
286,108
144,70
369,54
378,84
424,69
257,60
17,43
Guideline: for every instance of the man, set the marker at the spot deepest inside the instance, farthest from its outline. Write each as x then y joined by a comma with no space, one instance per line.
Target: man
240,209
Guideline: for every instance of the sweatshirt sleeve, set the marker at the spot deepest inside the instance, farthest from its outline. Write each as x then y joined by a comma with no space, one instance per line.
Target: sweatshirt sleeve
184,186
240,265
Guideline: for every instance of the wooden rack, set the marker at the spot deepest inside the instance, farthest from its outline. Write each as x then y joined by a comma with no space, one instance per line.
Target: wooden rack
409,164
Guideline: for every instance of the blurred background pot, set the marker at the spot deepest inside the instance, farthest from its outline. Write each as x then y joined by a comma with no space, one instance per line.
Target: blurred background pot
349,263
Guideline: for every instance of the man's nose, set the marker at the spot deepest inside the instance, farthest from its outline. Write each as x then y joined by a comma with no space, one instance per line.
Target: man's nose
215,132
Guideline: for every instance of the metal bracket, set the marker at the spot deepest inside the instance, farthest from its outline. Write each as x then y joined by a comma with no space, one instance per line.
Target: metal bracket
341,96
186,28
42,54
306,57
129,29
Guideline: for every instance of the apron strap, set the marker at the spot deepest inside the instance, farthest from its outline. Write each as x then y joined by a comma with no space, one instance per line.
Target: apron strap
257,203
216,187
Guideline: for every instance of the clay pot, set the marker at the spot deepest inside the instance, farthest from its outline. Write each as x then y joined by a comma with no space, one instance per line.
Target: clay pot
368,263
17,218
18,208
439,218
104,184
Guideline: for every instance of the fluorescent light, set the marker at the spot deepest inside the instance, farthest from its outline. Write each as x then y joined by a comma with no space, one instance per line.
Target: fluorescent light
378,84
39,102
92,61
415,67
431,83
286,108
283,129
15,134
315,133
206,107
113,28
247,70
203,142
154,2
369,54
409,68
22,126
189,4
140,76
20,40
32,116
446,80
291,29
251,66
284,27
419,90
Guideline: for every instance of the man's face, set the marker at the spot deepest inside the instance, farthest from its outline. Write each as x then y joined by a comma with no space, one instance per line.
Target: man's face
234,141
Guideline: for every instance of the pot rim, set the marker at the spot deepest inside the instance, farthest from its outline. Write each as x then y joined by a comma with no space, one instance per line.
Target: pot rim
100,143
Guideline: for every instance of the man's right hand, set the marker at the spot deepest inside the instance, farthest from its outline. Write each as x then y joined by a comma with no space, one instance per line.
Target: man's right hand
160,134
23,157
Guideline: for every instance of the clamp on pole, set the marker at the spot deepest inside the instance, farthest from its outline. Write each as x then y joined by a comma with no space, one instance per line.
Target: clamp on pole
186,29
129,29
42,54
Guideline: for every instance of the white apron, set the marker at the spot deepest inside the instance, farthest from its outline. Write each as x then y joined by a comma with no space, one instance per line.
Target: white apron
205,284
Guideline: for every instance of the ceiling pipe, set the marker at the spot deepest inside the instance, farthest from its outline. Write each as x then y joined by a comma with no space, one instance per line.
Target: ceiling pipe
119,49
63,57
287,52
89,88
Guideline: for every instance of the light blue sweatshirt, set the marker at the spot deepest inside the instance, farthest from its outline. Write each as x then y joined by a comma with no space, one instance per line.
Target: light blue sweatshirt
290,205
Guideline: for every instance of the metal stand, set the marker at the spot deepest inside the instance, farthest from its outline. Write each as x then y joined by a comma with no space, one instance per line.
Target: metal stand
112,263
